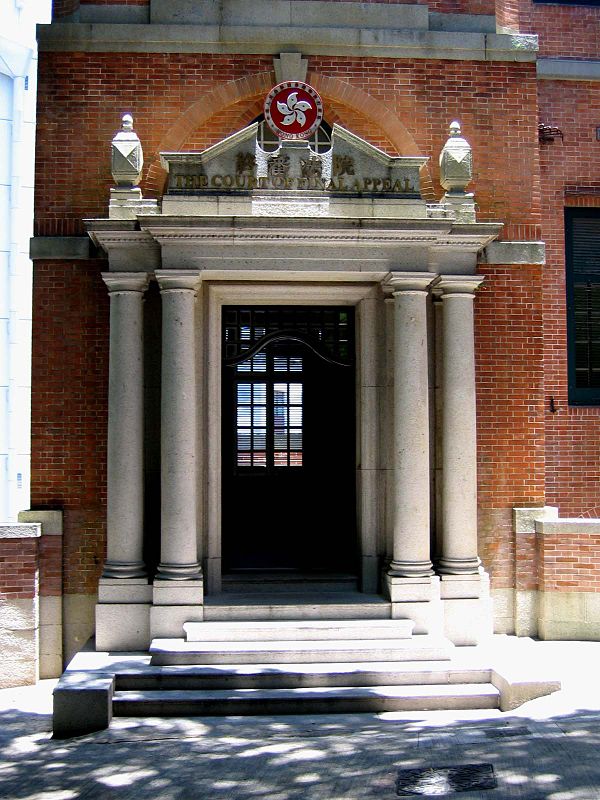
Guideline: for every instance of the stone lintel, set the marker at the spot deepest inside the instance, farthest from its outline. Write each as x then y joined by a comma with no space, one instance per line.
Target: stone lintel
359,41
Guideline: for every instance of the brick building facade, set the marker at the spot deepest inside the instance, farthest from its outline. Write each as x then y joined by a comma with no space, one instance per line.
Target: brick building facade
395,75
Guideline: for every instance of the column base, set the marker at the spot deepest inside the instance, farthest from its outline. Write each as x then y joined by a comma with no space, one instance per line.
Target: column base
124,590
417,599
122,626
459,566
410,569
179,572
178,593
124,569
467,605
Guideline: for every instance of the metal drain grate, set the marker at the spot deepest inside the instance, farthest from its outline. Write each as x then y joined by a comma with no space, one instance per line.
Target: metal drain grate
432,781
506,733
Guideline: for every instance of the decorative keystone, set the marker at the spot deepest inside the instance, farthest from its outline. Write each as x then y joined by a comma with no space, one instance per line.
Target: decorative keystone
127,157
456,162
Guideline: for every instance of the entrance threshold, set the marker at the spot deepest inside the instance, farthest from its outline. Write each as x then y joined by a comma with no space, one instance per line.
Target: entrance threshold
295,601
286,581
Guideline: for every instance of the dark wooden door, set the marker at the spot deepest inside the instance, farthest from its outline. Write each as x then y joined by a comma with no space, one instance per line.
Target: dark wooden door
289,444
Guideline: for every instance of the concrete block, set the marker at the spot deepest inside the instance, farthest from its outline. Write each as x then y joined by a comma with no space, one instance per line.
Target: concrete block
464,586
78,622
526,612
52,521
51,635
177,593
124,590
427,616
468,621
524,518
168,621
122,626
401,590
503,606
82,705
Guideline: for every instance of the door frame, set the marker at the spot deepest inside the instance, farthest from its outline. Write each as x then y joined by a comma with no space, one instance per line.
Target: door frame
366,298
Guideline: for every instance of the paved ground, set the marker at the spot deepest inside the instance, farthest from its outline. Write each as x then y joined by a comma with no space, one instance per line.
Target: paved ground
547,749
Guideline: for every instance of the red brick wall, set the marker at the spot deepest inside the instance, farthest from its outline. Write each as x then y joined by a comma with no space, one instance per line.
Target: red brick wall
18,568
569,562
570,174
69,404
83,95
510,402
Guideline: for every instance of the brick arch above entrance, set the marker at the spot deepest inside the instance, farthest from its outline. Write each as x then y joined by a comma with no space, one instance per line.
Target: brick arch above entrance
248,93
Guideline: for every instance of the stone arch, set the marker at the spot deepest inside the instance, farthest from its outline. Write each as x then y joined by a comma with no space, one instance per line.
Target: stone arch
258,85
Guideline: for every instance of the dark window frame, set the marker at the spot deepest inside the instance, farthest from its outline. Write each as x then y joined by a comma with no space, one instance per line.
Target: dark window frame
575,274
593,3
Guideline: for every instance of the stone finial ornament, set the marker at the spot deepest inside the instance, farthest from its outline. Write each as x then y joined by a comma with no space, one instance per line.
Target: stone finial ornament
127,157
456,162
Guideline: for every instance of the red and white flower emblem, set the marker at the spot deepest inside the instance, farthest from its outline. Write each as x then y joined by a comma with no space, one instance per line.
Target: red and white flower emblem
293,110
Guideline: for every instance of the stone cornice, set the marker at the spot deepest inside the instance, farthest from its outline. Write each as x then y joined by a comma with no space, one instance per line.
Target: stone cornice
377,42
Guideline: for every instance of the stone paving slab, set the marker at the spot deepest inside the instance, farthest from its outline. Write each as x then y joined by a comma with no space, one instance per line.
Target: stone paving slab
546,750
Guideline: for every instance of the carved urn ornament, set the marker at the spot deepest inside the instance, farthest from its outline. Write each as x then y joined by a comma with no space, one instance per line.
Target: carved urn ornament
456,162
127,158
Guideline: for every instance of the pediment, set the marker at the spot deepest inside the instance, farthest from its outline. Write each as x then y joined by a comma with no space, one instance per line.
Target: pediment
352,167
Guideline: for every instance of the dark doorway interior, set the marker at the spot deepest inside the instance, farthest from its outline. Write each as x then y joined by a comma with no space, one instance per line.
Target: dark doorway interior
288,438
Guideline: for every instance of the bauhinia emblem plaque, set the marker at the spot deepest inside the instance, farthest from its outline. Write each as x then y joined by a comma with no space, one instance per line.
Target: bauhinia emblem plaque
293,110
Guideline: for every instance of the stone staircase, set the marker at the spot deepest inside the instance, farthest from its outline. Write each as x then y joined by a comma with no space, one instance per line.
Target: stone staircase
300,667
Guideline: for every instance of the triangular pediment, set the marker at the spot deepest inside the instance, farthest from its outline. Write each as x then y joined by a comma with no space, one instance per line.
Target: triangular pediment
351,168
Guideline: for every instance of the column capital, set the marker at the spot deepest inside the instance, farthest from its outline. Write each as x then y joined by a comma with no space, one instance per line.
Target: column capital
170,280
448,285
117,282
401,282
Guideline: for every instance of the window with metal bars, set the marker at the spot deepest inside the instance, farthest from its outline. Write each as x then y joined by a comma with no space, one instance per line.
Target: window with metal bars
582,242
267,348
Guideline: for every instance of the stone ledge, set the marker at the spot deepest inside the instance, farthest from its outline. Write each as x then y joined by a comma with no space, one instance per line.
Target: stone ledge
63,248
568,525
14,530
514,253
568,69
359,42
51,521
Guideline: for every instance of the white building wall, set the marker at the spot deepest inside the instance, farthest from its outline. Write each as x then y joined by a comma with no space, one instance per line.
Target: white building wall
18,83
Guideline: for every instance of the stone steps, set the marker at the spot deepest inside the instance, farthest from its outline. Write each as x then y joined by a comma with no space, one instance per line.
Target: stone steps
418,648
295,605
316,700
298,676
309,630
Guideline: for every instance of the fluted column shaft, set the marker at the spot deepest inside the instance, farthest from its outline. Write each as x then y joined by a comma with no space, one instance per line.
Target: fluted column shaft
179,547
459,427
411,492
125,466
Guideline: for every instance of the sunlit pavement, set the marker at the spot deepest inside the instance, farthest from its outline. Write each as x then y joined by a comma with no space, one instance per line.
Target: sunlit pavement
548,748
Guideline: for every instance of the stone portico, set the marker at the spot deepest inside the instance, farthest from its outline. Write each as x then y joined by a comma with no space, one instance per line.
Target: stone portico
355,233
